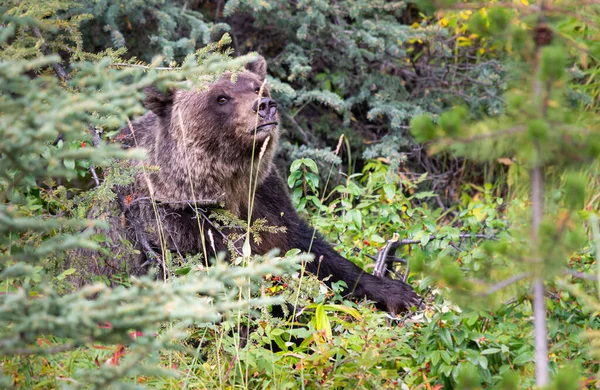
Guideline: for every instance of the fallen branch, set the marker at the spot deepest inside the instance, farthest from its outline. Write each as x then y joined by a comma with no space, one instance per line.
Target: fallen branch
385,258
581,275
124,65
58,68
506,283
38,351
200,213
140,235
96,142
197,202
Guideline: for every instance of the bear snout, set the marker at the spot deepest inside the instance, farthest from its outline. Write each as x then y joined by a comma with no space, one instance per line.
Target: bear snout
267,108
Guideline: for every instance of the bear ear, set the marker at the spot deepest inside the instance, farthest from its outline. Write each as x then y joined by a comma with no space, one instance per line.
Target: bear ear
158,102
258,67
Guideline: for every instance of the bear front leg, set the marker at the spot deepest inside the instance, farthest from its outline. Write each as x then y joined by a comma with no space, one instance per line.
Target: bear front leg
392,295
274,204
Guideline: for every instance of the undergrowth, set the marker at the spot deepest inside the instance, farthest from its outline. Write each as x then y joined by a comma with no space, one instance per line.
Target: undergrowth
330,341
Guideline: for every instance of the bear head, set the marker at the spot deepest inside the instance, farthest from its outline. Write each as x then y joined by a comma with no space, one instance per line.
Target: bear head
208,143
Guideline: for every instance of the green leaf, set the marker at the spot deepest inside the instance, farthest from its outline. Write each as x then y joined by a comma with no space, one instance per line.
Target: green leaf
424,194
292,178
69,164
344,309
183,271
310,164
523,358
64,274
446,338
483,362
472,318
98,237
446,357
490,351
446,370
434,357
313,180
296,164
390,191
356,218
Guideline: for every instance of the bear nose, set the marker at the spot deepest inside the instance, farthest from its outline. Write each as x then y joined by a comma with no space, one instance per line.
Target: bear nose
266,107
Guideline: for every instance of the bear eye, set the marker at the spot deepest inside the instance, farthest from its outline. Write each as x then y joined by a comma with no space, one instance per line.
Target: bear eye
222,99
257,90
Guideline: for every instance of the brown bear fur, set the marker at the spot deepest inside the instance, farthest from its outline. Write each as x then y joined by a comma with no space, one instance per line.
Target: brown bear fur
204,143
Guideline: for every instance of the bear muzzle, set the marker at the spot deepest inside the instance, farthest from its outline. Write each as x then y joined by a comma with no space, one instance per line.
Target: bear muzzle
266,108
267,126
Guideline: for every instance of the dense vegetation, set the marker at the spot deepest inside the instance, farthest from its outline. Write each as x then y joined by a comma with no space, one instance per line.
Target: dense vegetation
470,154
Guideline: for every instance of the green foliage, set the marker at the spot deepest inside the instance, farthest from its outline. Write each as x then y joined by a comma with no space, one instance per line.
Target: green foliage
547,141
304,180
364,69
153,26
396,62
48,125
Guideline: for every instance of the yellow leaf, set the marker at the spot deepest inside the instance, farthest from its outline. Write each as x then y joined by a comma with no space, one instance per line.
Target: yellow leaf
415,25
444,22
525,2
321,321
479,214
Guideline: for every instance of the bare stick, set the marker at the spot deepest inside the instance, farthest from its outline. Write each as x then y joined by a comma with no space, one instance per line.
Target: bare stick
58,68
207,220
197,202
581,275
140,235
39,351
124,65
64,77
506,283
385,258
96,142
300,129
381,265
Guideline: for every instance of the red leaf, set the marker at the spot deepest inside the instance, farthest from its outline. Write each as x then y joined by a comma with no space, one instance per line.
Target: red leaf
135,334
42,341
116,357
101,347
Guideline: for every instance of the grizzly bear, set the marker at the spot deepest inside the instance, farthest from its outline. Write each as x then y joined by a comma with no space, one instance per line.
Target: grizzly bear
210,147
